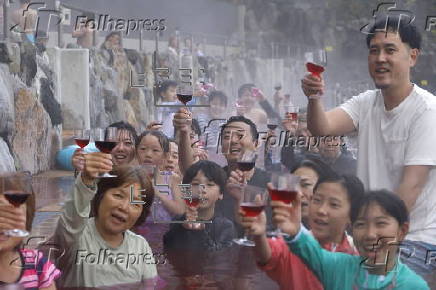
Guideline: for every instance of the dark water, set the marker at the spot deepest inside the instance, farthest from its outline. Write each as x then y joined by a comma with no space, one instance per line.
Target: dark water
230,268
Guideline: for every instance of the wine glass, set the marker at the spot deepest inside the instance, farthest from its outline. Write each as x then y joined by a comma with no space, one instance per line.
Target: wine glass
316,63
278,86
285,188
247,160
184,93
81,137
105,141
16,188
291,112
193,195
272,123
252,203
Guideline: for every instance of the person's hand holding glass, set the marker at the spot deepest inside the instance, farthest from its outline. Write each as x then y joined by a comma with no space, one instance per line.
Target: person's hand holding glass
251,204
105,141
284,188
81,138
15,189
193,197
247,161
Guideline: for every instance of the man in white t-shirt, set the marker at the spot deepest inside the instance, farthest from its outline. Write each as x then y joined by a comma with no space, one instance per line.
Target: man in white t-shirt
395,126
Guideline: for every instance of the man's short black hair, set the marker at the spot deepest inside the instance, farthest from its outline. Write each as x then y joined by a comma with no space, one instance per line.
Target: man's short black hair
395,23
163,87
233,119
125,126
221,96
244,87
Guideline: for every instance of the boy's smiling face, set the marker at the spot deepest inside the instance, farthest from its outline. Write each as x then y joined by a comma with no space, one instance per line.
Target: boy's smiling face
208,190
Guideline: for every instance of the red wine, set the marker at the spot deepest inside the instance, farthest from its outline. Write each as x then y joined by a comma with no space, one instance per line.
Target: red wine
272,126
246,166
184,98
105,146
194,201
314,69
16,198
287,196
81,142
292,116
251,209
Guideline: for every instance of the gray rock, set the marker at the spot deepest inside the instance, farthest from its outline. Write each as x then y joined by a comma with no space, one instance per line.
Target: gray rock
33,143
6,101
6,160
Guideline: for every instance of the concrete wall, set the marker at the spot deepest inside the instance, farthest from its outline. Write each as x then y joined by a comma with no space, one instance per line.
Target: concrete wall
74,88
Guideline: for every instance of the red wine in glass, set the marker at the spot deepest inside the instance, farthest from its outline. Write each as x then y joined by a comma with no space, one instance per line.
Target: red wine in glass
16,198
81,142
245,166
193,201
314,69
292,115
272,126
184,98
286,196
251,209
105,146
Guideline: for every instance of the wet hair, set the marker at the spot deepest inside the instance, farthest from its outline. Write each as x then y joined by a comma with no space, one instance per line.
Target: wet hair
161,137
30,201
210,169
388,201
322,169
125,126
126,175
244,87
163,87
352,185
242,119
221,96
395,23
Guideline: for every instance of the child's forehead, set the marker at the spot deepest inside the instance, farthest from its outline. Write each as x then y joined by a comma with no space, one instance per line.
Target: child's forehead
373,210
150,139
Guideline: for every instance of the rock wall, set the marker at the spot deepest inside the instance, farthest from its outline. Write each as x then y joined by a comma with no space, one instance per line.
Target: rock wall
34,138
